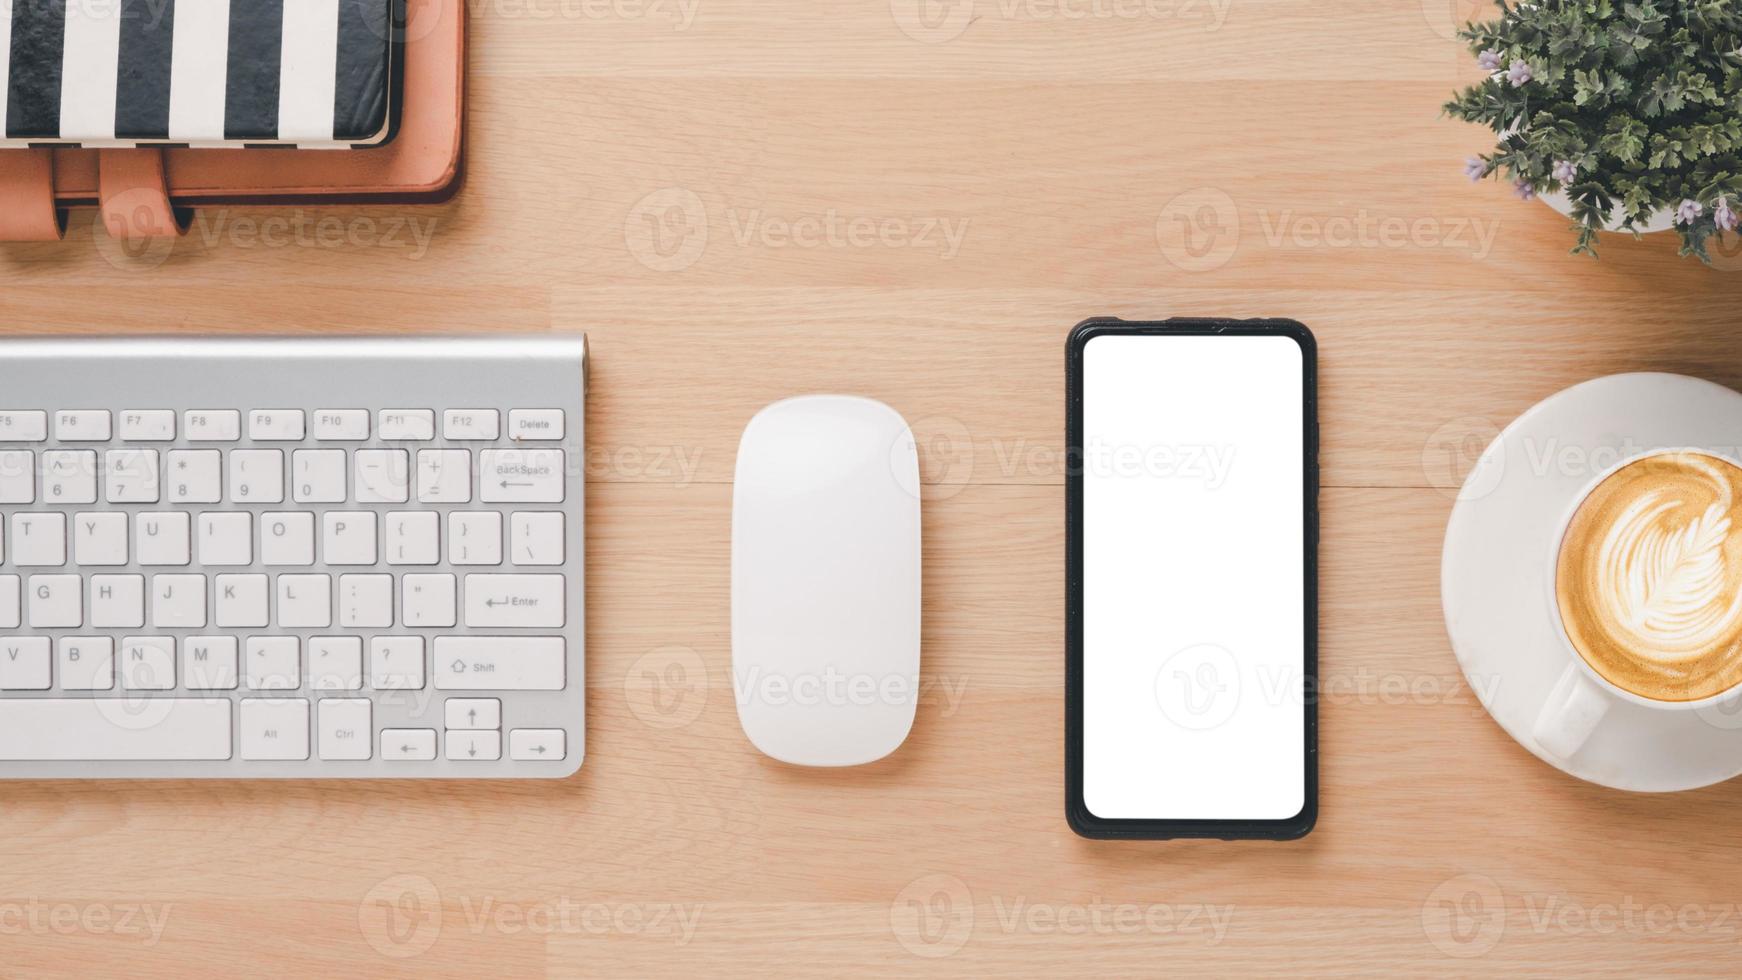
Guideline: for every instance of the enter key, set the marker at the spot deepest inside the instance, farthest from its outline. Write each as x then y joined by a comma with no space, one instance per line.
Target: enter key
532,601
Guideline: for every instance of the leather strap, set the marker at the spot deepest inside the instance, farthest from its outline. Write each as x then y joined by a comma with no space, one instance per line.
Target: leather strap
134,196
27,206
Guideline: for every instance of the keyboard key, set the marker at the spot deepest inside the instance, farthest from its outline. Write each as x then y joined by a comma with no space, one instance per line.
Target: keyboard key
427,600
272,663
24,665
305,601
348,537
55,602
475,538
148,425
408,744
365,601
475,746
521,601
208,663
85,663
274,729
130,476
335,663
118,601
417,424
318,476
413,538
9,602
476,714
69,476
346,728
341,424
241,601
96,729
17,476
226,538
212,425
531,476
499,663
535,424
536,744
100,538
396,663
257,476
287,538
38,539
536,538
82,425
161,538
471,423
383,476
178,601
275,425
193,476
23,426
148,663
444,476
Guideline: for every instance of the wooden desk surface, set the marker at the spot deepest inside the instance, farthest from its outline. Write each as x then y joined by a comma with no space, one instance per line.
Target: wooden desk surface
743,199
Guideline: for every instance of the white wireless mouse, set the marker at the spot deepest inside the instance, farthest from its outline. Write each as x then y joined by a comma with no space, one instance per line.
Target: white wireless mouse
825,580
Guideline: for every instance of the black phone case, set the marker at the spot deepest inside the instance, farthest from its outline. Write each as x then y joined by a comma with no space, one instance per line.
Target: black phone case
1081,820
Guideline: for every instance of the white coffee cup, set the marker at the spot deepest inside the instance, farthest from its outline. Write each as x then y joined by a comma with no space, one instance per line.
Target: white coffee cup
1582,697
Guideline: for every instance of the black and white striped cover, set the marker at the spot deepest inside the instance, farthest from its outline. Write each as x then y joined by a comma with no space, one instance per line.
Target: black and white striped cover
311,73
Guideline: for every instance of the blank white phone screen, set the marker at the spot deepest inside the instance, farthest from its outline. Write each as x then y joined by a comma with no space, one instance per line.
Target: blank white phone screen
1193,578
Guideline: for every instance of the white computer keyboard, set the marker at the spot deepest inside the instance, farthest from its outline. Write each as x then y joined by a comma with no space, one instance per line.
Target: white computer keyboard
291,557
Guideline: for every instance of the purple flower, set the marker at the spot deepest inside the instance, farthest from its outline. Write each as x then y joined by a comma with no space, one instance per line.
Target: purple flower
1474,168
1522,188
1725,218
1688,211
1489,59
1519,73
1565,171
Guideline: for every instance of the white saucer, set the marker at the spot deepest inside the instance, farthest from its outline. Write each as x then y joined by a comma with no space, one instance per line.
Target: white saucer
1493,574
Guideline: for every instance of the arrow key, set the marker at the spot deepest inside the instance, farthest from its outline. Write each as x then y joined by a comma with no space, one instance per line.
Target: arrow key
536,744
474,714
474,746
408,744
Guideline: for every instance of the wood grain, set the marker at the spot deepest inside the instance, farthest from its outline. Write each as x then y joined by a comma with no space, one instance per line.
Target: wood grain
1062,144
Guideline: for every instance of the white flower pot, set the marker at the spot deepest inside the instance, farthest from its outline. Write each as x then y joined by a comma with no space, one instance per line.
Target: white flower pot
1662,220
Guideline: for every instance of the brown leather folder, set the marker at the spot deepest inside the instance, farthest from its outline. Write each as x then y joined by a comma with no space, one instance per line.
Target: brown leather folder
147,192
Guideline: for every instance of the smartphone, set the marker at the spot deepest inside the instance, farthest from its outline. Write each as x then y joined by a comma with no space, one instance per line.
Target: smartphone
1191,645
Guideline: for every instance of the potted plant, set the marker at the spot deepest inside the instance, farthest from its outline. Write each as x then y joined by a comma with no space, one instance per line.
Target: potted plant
1628,113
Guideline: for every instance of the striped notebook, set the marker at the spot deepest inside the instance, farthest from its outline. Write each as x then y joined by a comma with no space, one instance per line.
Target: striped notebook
304,73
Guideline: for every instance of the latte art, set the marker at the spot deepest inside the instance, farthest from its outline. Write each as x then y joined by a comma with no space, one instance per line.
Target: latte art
1649,578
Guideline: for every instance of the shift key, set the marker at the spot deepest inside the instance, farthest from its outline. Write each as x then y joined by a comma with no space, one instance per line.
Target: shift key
499,663
525,601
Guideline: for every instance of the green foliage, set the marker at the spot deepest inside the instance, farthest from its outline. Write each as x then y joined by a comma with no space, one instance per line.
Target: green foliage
1636,103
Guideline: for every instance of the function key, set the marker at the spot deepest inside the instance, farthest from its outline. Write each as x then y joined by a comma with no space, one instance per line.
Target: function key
471,423
23,426
341,424
148,424
408,423
275,424
82,425
535,424
213,425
